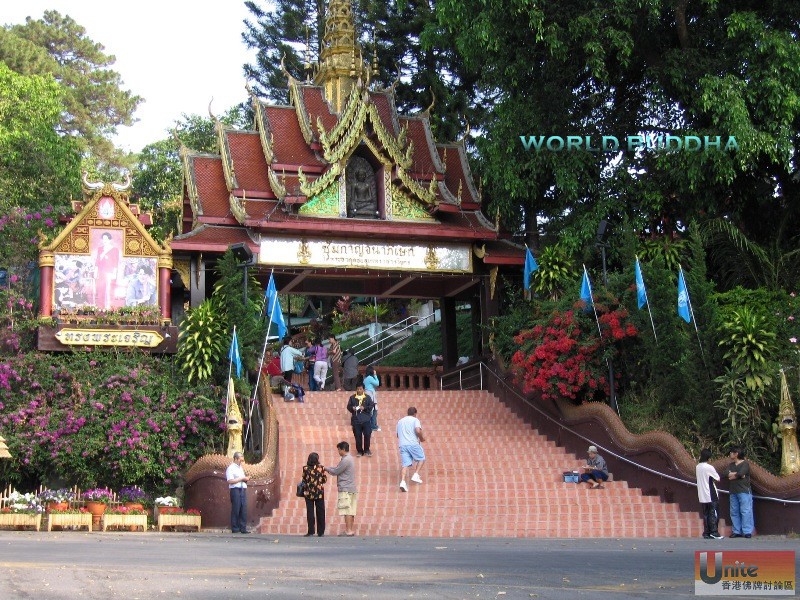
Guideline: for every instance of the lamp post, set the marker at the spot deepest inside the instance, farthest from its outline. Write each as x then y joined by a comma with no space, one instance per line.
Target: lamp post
602,234
243,254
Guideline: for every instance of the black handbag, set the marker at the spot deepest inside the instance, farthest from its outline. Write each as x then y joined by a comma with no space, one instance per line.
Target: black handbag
301,488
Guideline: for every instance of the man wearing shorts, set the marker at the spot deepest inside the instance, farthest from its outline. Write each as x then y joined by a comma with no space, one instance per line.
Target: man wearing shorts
410,438
347,501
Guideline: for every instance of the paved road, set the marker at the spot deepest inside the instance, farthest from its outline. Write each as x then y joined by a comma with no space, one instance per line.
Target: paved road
203,566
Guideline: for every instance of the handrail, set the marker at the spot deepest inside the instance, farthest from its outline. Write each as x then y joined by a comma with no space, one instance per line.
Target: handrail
608,451
392,333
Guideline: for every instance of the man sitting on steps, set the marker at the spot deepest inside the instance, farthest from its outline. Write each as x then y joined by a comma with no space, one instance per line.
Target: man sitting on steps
410,438
596,469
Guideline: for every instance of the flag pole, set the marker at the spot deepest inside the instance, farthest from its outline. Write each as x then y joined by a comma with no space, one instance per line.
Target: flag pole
694,320
261,365
647,301
591,297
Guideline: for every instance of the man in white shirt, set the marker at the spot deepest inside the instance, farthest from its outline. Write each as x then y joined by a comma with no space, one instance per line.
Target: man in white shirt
707,494
410,438
237,485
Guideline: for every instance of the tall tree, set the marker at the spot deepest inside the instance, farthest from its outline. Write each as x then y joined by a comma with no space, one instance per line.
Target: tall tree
157,177
37,166
95,101
392,32
624,67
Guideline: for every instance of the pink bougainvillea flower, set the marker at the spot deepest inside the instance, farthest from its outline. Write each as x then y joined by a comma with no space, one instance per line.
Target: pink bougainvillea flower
793,340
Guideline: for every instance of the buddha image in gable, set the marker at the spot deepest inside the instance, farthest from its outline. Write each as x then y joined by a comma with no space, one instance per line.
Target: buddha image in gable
362,197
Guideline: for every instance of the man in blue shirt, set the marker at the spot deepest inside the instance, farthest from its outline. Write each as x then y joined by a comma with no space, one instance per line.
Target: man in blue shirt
410,438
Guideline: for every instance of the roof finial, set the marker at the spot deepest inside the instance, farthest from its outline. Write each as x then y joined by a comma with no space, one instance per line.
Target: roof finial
428,110
307,63
463,138
211,114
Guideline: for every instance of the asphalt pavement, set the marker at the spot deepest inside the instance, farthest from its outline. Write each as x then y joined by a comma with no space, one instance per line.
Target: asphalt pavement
205,565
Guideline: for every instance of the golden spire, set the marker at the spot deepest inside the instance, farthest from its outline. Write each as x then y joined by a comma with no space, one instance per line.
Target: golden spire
340,61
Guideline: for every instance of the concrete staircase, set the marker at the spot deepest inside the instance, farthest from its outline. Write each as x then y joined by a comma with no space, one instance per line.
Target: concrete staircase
487,474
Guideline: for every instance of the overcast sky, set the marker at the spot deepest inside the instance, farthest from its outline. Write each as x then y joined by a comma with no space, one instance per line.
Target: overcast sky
176,54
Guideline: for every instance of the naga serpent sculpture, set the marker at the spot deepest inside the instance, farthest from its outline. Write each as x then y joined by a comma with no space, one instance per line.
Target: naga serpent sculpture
207,490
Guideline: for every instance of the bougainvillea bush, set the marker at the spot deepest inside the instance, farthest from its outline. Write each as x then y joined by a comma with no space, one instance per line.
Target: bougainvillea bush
564,354
105,418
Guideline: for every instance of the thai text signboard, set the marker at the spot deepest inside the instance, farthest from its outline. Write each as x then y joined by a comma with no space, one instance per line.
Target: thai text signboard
360,254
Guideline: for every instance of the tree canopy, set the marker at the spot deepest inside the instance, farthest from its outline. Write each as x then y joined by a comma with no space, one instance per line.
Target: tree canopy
95,103
626,67
37,166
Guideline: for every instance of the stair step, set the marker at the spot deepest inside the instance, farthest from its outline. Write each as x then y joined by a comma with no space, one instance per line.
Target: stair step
472,483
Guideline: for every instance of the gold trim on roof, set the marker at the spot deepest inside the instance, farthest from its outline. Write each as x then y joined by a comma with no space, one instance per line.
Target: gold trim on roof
321,182
296,97
395,146
276,185
225,154
416,188
237,207
264,131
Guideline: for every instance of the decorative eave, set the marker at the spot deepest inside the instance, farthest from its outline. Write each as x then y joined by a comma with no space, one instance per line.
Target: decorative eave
468,179
500,252
320,183
427,195
348,132
264,131
398,148
356,100
429,142
296,98
186,156
225,153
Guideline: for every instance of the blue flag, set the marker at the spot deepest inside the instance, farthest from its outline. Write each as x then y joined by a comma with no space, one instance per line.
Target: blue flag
641,292
234,356
586,289
683,298
530,267
274,311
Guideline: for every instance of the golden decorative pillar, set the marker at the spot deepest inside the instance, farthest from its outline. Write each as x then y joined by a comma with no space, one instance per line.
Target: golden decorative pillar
233,422
790,455
340,62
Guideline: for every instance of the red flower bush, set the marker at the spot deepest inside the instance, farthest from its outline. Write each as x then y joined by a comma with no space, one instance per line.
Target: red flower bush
566,356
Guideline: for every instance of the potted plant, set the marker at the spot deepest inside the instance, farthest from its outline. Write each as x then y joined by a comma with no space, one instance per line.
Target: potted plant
21,510
168,505
133,497
96,501
56,499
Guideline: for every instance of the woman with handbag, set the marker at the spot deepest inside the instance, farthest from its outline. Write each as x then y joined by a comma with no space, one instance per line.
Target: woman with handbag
313,485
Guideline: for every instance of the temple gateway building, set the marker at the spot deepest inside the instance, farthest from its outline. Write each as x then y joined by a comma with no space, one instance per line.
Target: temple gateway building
338,194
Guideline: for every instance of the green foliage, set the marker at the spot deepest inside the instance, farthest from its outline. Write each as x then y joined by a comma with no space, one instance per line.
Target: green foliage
749,347
247,315
555,274
741,261
203,341
158,175
37,165
95,103
664,249
425,342
592,67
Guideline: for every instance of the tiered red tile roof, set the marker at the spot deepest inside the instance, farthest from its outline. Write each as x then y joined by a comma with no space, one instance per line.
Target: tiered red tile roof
243,192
